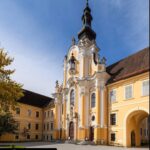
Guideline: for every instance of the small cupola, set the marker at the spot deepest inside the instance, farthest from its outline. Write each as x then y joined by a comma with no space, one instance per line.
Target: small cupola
72,62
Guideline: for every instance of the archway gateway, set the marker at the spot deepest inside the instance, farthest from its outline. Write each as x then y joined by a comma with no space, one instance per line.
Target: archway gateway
71,130
133,128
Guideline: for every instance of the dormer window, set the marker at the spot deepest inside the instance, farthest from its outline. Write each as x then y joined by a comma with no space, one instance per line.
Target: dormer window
72,63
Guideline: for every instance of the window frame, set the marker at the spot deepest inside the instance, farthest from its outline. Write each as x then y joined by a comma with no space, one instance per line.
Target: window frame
29,113
115,119
112,133
51,113
147,80
36,136
131,91
52,126
37,114
115,96
17,111
93,93
29,126
36,126
28,137
17,137
48,113
72,98
47,126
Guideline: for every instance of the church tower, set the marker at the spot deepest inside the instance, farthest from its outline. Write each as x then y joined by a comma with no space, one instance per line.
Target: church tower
81,106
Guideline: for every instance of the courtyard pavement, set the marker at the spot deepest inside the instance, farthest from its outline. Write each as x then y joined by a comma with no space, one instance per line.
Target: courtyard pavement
65,146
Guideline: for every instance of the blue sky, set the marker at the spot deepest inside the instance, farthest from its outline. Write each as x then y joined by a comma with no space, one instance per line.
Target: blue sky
38,33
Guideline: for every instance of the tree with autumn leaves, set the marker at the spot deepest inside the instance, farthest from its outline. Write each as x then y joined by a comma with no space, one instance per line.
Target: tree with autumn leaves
10,92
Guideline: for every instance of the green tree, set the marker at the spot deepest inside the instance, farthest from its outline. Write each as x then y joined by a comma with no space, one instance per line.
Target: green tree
10,91
7,124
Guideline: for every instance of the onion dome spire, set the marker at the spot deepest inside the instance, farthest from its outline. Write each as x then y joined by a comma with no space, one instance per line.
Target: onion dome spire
86,30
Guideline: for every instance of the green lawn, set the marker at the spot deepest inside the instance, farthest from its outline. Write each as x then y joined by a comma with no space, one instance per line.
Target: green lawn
11,146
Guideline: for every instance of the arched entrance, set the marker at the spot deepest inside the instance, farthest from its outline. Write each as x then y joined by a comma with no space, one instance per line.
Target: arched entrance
91,137
133,127
71,130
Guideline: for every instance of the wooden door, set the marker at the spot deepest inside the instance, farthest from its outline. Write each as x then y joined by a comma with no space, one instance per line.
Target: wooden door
91,133
132,138
71,130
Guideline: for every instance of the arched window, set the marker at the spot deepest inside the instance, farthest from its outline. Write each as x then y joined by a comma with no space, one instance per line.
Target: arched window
72,97
93,100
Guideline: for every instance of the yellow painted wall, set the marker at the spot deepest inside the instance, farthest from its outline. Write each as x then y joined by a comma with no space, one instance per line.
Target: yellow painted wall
23,119
123,108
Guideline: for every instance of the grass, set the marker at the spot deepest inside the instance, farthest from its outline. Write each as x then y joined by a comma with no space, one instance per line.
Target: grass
11,146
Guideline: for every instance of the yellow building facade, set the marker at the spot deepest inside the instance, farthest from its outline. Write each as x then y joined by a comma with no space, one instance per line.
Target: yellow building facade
34,117
95,104
102,104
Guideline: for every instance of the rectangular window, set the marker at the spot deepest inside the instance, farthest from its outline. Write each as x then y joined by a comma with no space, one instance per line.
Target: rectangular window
52,114
113,119
28,136
51,137
36,137
47,126
145,132
36,126
44,114
29,113
29,126
37,114
18,125
16,137
44,126
145,88
113,137
128,92
93,99
51,126
113,96
48,114
47,137
18,111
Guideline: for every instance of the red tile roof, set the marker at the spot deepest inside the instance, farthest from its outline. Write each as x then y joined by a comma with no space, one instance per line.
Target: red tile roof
130,66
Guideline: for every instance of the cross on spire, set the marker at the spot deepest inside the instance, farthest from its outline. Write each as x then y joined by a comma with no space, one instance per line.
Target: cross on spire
87,2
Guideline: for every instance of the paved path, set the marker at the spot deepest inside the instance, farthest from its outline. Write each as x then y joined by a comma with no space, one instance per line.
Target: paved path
62,146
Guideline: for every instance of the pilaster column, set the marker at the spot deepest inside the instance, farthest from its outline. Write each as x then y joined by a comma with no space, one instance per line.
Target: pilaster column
86,107
82,107
102,106
83,110
103,129
64,112
97,127
67,129
57,119
75,129
97,105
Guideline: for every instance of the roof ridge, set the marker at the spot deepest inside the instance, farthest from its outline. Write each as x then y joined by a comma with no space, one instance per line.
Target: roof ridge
37,93
129,66
129,56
